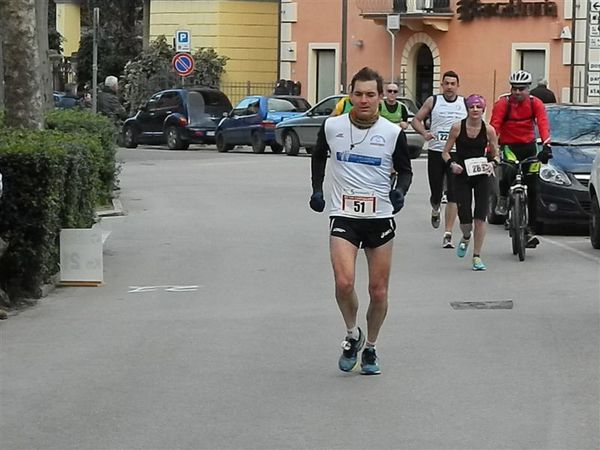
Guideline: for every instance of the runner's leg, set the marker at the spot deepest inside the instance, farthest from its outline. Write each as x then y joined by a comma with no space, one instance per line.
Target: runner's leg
343,261
379,261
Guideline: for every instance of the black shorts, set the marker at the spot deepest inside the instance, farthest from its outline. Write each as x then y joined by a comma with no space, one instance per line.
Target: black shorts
363,233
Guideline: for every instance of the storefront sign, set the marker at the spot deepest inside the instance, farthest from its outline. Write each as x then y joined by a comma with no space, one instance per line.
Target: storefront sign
593,77
472,9
593,90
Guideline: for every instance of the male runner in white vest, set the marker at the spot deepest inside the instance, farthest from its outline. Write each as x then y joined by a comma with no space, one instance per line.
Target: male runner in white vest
444,109
365,150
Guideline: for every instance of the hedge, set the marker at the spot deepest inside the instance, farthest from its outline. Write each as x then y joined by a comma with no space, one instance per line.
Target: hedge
50,180
83,122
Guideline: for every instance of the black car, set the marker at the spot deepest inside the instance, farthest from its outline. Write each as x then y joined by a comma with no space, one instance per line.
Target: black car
177,117
562,184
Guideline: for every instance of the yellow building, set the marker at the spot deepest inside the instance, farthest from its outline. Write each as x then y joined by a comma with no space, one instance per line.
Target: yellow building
246,31
68,24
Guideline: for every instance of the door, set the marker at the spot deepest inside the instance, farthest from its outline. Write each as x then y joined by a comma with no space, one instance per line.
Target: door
325,73
424,79
146,117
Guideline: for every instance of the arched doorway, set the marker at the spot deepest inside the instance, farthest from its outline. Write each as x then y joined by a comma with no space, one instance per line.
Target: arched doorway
424,74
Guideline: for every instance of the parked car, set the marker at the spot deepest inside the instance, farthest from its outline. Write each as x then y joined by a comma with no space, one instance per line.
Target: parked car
177,117
64,101
253,121
563,195
594,189
301,131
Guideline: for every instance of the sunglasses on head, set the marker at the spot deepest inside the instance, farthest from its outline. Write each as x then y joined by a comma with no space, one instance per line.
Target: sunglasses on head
391,91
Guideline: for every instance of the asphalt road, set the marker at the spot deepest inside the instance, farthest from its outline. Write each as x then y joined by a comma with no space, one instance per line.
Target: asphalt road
216,328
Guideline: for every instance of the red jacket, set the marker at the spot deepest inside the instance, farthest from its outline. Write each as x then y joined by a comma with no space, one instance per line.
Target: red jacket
516,125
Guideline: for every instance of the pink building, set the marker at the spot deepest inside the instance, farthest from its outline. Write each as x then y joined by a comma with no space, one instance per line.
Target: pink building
324,42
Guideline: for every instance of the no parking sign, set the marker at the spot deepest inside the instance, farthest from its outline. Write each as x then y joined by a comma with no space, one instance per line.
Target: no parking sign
183,63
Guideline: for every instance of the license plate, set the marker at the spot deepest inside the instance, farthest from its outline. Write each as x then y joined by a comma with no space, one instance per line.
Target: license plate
210,133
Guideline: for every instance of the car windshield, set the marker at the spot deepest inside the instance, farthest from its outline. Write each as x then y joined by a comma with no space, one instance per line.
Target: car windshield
288,105
574,125
216,102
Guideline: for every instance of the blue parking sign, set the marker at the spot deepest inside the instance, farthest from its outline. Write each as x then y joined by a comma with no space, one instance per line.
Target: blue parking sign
183,40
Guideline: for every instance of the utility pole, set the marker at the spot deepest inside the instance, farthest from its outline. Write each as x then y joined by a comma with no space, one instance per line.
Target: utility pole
95,61
344,68
393,25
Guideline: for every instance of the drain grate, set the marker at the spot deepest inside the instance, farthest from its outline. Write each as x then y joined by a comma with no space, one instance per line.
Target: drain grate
500,304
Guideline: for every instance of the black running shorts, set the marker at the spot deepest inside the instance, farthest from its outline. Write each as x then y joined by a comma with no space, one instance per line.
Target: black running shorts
363,233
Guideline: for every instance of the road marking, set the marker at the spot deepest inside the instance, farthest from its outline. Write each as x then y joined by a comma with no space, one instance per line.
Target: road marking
497,304
571,249
167,288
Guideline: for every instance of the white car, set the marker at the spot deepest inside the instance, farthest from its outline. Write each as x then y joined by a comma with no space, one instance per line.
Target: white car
594,187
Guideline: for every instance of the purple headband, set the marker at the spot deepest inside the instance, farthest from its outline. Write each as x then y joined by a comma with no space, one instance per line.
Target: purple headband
475,99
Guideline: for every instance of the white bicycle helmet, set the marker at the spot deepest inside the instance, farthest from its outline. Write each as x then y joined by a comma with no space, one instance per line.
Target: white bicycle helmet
520,77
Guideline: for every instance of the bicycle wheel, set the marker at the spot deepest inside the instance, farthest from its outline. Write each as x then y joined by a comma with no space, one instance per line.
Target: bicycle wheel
520,224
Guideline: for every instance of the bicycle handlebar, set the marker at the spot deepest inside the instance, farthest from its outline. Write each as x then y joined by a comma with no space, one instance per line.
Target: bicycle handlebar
529,159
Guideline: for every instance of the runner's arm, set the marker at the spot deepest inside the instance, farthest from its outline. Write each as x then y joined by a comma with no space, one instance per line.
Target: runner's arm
493,143
422,114
454,131
318,160
402,164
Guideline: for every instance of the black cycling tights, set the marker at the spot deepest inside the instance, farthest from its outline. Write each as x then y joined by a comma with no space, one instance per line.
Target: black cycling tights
508,173
437,169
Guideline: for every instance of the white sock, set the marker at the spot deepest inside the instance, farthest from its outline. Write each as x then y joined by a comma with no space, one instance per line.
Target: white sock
371,344
353,333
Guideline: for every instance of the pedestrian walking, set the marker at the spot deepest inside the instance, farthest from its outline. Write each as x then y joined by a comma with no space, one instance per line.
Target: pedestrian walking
471,165
365,149
444,110
542,92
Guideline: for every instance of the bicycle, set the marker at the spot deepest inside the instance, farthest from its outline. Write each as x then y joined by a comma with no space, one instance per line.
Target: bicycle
517,207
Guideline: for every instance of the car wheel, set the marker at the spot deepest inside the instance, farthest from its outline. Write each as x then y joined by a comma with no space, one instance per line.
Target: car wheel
222,147
309,150
275,147
258,143
129,140
595,223
291,143
174,141
494,218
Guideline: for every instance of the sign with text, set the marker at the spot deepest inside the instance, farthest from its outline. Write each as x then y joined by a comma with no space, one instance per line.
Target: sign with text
81,255
183,41
593,77
593,90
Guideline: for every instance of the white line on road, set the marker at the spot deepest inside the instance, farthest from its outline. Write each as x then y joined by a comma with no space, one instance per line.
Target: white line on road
571,249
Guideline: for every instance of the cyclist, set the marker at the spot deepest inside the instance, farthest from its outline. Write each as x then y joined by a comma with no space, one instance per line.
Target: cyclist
471,166
514,118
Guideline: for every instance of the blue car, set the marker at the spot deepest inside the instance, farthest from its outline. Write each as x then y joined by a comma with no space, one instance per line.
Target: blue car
253,120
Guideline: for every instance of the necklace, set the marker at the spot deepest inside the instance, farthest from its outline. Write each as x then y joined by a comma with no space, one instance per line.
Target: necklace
354,144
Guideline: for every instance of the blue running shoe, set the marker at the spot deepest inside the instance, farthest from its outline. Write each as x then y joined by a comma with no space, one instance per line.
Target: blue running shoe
478,264
370,363
349,358
461,250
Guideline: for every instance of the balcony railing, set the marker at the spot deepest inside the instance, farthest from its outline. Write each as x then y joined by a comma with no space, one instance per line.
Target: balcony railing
404,6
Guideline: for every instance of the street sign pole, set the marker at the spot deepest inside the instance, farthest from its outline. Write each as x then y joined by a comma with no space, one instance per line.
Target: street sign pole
95,60
393,25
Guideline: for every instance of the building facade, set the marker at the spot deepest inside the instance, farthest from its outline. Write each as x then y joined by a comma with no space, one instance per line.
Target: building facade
414,41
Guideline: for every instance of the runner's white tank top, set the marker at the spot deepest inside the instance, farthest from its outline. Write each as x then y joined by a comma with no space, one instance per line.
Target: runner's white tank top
360,166
443,115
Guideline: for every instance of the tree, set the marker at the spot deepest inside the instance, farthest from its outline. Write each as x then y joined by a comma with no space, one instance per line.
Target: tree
119,37
151,71
24,98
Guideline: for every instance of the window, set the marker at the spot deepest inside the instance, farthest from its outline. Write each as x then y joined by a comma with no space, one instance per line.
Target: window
242,108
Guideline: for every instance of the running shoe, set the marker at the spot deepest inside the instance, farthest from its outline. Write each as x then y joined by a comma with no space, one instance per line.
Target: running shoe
478,264
444,198
435,218
461,250
370,363
349,358
447,241
501,206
